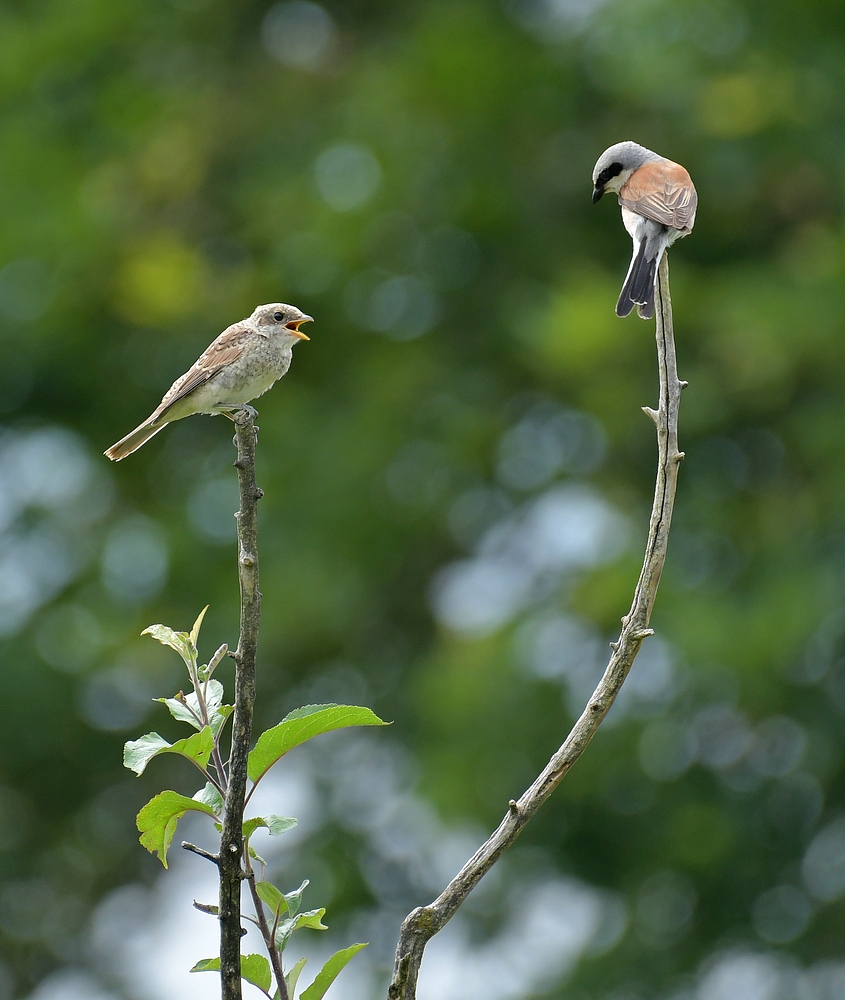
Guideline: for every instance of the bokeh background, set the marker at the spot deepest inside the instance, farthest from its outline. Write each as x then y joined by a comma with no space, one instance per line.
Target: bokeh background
457,479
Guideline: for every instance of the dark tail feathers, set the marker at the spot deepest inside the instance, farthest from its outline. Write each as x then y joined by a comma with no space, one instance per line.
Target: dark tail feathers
639,285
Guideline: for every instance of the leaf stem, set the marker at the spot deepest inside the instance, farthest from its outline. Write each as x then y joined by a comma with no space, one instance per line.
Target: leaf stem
208,777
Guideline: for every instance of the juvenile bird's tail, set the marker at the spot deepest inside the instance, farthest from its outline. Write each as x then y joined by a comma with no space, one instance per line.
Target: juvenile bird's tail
638,289
133,441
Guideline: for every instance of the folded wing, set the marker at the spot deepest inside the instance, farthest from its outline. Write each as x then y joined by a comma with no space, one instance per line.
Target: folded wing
662,191
227,348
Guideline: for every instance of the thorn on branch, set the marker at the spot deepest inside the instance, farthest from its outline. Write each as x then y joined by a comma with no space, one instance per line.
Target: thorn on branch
678,456
513,808
203,854
682,384
650,413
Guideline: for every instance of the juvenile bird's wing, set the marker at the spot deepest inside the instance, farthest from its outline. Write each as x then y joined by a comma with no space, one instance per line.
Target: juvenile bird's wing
228,347
662,191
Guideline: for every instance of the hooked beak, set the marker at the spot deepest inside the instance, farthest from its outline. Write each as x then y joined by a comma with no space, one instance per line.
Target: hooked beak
597,193
295,324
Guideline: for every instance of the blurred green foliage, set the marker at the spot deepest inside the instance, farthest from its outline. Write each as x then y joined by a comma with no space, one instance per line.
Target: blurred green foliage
416,176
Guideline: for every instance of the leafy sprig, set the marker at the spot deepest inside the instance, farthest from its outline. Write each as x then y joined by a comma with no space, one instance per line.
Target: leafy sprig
277,913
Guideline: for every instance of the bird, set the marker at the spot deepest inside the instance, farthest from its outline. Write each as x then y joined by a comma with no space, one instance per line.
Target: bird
658,202
240,365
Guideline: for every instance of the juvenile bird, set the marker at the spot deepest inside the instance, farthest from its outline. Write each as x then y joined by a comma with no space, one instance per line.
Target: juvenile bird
658,207
242,363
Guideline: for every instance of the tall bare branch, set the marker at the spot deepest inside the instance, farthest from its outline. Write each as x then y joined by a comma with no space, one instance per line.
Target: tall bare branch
424,922
231,840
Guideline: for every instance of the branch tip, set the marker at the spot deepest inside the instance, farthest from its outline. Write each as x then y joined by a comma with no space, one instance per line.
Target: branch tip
213,858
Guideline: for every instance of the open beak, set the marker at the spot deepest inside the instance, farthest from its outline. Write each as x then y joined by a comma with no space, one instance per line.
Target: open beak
295,324
597,193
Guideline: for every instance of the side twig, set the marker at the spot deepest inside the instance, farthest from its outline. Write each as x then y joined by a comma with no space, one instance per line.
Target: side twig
424,922
269,935
231,839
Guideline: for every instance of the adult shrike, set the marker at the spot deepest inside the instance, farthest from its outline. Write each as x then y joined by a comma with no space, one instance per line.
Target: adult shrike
658,202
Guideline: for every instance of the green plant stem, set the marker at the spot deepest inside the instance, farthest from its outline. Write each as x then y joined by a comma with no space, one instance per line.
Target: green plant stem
231,838
424,922
222,781
200,690
266,932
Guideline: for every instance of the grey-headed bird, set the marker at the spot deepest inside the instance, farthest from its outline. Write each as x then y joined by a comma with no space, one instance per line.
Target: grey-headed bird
658,202
242,363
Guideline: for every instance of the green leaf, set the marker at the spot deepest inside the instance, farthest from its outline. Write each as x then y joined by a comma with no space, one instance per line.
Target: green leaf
197,748
294,899
179,709
300,725
167,637
219,717
292,978
207,965
195,631
157,820
255,969
272,896
330,972
186,708
277,825
210,796
309,918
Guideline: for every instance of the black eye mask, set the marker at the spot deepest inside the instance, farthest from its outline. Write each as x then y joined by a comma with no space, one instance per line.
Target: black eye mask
614,170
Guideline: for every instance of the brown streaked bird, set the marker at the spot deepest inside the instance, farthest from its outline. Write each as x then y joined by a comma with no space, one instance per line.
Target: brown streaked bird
244,362
658,202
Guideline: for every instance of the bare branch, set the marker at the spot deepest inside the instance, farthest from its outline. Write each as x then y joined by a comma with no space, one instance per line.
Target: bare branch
198,850
231,839
205,907
424,922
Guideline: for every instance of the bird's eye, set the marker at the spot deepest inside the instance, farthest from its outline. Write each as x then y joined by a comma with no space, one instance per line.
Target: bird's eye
278,317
